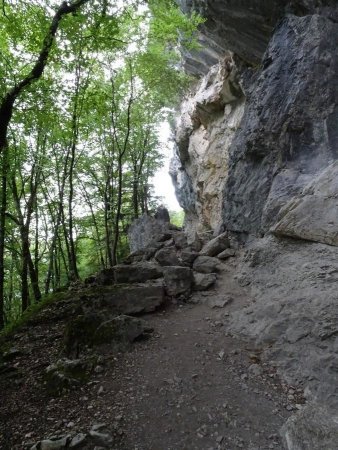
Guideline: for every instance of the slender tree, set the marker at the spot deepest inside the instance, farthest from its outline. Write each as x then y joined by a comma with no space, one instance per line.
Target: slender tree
8,101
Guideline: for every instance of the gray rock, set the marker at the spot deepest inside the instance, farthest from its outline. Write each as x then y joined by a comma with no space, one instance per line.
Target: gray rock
145,254
239,170
206,264
313,215
282,122
203,282
188,257
216,245
293,286
100,436
79,331
104,440
313,428
219,302
135,299
78,441
231,26
121,330
53,444
228,253
145,230
137,273
105,278
167,257
162,214
180,240
66,374
204,133
178,281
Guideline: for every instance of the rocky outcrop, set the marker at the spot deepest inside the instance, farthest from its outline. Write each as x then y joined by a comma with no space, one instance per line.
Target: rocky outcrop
206,128
313,215
288,135
243,157
257,151
314,428
293,314
243,27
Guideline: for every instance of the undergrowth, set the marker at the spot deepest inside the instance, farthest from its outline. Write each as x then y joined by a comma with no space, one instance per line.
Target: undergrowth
30,313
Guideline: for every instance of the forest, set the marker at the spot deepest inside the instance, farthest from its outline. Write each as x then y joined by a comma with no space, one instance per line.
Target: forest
84,88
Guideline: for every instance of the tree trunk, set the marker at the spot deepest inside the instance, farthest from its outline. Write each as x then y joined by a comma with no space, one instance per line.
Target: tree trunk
24,270
3,207
34,277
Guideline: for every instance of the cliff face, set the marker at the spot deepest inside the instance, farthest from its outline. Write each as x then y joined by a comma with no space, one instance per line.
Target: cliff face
205,131
261,124
257,157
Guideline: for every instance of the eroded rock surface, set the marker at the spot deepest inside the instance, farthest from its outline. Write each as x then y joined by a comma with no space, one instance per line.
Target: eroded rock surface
314,428
313,215
257,153
293,315
209,119
250,139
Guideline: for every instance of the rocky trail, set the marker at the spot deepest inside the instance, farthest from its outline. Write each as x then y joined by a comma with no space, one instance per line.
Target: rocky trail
192,385
183,346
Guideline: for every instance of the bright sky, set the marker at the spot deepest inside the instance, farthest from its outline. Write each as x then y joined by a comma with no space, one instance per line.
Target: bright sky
162,180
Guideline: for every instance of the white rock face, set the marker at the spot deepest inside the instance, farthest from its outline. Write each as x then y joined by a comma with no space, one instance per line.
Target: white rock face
313,215
205,130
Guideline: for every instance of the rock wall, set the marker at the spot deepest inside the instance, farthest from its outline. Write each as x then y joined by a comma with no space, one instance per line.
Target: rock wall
257,158
261,124
210,116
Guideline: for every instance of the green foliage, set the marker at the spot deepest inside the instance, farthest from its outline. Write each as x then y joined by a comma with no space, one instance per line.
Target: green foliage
177,218
83,140
30,314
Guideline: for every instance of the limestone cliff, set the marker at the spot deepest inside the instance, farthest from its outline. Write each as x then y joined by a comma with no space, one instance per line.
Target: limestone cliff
256,158
261,124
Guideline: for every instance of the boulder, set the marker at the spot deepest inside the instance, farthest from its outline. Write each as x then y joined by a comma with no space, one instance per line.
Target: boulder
188,257
167,257
162,214
178,281
135,299
79,332
122,331
66,374
202,281
226,254
134,257
145,230
180,240
136,273
206,264
105,277
216,246
313,428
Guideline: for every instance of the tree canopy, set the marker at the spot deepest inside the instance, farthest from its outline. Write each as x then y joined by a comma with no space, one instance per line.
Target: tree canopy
84,86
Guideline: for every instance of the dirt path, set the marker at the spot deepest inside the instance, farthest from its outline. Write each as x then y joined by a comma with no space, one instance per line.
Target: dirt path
191,389
191,386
